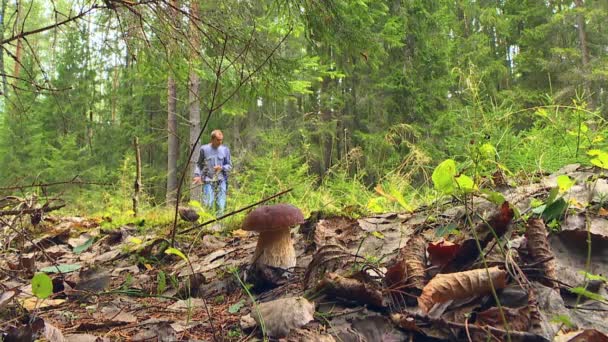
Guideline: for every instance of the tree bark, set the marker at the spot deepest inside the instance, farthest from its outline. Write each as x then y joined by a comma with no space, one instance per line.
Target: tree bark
195,103
172,141
19,48
2,69
582,37
137,184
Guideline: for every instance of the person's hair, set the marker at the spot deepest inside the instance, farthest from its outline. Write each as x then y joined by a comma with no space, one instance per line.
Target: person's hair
215,132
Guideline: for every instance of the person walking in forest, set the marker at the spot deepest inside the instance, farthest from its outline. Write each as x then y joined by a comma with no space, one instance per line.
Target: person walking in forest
212,170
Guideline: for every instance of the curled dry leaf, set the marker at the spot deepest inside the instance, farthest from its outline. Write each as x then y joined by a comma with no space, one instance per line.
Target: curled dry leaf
461,285
538,247
415,260
352,289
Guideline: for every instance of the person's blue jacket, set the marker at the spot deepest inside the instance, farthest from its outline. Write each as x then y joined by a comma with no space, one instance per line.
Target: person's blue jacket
208,158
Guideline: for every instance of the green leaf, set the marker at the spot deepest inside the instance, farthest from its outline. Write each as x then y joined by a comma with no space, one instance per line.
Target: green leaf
375,204
487,151
177,252
494,197
555,210
445,230
443,176
378,235
465,184
564,183
585,293
539,210
563,319
592,276
236,307
84,246
552,195
42,285
63,268
535,203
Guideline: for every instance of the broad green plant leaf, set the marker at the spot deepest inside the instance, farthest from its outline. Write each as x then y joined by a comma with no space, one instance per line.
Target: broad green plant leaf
42,286
84,246
494,197
552,195
466,184
63,268
600,160
564,183
443,176
177,252
555,210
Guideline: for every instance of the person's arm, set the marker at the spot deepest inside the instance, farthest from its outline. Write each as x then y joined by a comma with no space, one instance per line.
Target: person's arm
227,166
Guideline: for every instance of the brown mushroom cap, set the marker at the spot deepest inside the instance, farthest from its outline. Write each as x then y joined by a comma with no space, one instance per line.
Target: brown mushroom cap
273,217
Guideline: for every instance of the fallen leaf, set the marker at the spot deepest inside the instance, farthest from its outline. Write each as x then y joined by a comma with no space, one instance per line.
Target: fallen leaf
282,315
582,336
6,297
415,260
52,334
62,268
538,247
603,212
461,285
350,289
33,303
442,252
517,319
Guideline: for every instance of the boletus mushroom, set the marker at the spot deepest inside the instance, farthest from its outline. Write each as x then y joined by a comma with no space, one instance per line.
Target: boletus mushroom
273,222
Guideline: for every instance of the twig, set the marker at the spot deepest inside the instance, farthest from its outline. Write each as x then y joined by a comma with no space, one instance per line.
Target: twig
30,210
73,181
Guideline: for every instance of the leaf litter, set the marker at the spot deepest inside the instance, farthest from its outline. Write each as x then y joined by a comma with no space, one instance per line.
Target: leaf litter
472,272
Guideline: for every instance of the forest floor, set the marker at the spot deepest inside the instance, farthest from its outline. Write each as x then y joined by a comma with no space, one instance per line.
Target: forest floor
532,268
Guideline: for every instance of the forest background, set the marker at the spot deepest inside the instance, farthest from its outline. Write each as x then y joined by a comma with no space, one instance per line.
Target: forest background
350,103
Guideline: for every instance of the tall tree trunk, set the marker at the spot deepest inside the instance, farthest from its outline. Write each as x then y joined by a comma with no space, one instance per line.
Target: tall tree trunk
19,48
194,103
582,37
172,142
2,70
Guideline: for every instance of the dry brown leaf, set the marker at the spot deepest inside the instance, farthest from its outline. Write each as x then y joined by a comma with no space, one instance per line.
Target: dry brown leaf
415,261
461,285
442,252
517,319
538,247
351,289
603,212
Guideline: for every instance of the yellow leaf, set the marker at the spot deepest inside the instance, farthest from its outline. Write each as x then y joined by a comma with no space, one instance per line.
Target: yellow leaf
134,240
240,233
378,235
148,267
603,212
29,303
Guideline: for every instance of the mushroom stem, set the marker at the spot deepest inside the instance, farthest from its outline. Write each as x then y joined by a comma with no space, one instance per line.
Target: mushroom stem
275,249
